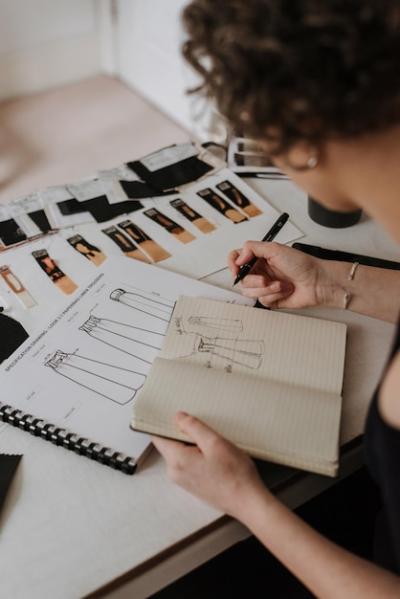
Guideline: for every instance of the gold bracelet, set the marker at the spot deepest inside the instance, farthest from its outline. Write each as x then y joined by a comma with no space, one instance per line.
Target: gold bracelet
347,295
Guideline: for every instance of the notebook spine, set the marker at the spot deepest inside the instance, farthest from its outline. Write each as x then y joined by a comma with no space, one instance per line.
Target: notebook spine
64,438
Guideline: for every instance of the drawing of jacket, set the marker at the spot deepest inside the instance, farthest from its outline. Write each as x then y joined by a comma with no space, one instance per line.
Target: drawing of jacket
112,382
140,343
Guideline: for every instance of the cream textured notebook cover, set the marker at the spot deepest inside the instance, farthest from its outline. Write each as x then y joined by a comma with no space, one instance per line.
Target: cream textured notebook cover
269,381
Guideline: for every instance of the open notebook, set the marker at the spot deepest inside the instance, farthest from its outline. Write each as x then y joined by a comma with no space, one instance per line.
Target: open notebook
269,381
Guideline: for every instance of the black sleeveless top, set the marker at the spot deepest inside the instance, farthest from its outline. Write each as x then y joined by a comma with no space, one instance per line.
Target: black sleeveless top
382,447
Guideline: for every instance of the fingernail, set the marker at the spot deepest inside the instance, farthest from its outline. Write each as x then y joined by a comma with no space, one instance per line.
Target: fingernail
182,414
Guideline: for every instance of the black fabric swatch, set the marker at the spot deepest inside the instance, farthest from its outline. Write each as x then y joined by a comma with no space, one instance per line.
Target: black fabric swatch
8,466
11,232
172,176
139,189
12,335
40,219
99,207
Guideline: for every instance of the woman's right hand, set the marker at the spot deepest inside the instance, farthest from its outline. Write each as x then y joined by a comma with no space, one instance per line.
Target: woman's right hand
282,277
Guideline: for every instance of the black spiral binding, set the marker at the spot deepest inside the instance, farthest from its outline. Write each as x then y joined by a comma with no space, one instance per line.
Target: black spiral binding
64,438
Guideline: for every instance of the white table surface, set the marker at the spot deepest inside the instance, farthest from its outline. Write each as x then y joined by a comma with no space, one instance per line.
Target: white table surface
71,526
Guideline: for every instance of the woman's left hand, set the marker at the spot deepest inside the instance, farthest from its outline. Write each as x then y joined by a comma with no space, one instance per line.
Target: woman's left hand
213,469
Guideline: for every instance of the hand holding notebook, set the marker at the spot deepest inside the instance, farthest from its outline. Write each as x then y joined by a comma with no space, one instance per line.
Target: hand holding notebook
269,382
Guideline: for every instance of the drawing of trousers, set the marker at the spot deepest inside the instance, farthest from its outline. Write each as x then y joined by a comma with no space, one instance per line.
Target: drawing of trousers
247,353
210,322
140,343
151,306
112,382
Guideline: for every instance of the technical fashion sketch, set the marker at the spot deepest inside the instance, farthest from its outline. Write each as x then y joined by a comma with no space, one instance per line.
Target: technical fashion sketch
141,303
193,216
222,324
145,243
108,380
142,344
52,270
169,225
219,203
248,353
239,199
87,250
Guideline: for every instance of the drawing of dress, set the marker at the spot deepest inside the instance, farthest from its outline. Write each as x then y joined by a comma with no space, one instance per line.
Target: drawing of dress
112,382
142,344
248,353
141,303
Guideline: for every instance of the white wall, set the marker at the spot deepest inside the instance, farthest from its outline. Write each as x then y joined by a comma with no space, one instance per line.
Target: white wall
47,42
148,42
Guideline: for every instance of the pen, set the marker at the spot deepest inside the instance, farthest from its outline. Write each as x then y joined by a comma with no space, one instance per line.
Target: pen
274,176
272,233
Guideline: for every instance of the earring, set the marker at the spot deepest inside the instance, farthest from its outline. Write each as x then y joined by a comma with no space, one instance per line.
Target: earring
312,161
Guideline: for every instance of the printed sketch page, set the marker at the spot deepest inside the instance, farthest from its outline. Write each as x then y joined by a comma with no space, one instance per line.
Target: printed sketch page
275,421
220,212
83,370
39,277
191,232
297,350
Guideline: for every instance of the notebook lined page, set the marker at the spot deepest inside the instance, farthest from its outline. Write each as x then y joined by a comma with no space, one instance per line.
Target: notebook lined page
275,421
297,350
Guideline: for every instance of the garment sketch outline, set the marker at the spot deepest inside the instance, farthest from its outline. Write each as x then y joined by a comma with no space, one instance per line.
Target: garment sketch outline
140,343
110,381
248,353
211,322
141,303
153,294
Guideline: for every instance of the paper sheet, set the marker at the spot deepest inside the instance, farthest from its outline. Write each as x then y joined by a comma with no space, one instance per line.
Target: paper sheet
187,233
197,239
83,369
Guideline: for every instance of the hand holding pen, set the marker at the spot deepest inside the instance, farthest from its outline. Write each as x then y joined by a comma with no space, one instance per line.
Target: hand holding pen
269,236
282,277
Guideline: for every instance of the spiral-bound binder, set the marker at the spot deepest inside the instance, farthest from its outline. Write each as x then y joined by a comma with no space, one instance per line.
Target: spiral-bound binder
67,439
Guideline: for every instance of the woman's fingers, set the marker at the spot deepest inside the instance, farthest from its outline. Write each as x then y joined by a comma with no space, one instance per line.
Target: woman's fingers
167,447
258,249
204,436
281,288
254,280
273,300
232,257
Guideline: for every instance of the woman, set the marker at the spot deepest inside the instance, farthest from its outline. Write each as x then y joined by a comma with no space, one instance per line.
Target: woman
318,83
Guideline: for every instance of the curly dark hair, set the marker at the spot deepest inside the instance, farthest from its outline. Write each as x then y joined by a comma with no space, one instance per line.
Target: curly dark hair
298,70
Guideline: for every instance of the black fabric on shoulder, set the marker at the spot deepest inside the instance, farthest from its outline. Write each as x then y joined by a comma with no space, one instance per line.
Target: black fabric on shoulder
382,450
